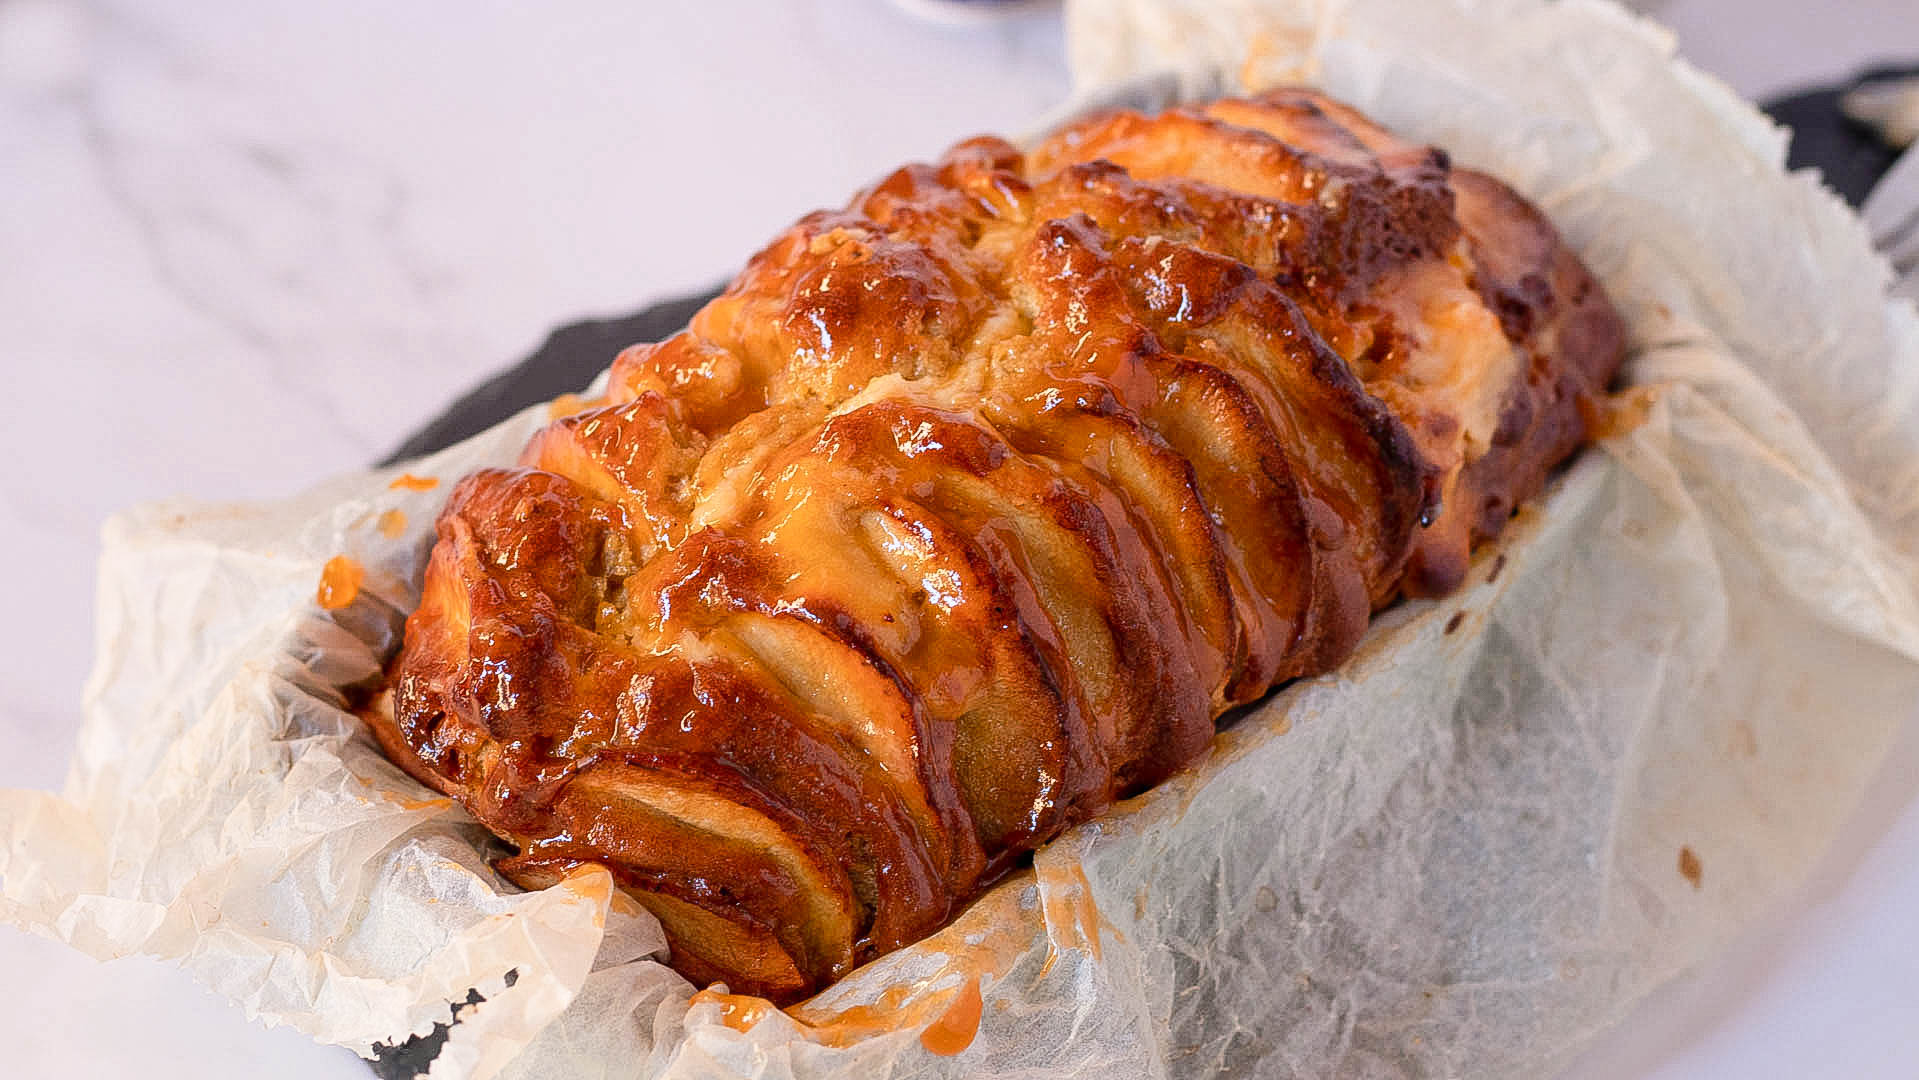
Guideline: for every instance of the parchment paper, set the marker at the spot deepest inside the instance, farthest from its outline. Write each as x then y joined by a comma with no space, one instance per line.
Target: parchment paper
1511,815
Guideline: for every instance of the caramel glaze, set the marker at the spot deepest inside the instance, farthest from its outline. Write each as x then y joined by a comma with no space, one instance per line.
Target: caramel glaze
340,581
965,510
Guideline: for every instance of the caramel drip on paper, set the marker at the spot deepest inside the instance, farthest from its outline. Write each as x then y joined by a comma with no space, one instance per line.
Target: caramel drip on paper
737,1011
1619,414
956,1028
340,581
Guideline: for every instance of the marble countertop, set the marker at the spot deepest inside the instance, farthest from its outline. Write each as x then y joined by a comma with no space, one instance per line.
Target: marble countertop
248,245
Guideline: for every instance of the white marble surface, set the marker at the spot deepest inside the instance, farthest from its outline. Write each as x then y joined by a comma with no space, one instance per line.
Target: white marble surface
246,245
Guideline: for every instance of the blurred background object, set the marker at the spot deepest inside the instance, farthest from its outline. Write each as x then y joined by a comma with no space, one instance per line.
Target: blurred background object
1892,213
971,12
1888,105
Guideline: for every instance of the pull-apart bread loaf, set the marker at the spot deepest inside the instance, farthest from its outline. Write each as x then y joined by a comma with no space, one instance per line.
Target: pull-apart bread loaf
967,510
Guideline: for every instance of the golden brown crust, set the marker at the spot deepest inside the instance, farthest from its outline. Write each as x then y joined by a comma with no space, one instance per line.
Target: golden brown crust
966,510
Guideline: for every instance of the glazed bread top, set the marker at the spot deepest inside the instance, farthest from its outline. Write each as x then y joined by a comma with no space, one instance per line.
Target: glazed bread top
967,509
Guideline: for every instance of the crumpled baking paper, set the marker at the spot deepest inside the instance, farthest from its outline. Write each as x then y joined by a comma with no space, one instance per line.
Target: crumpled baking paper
1511,815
